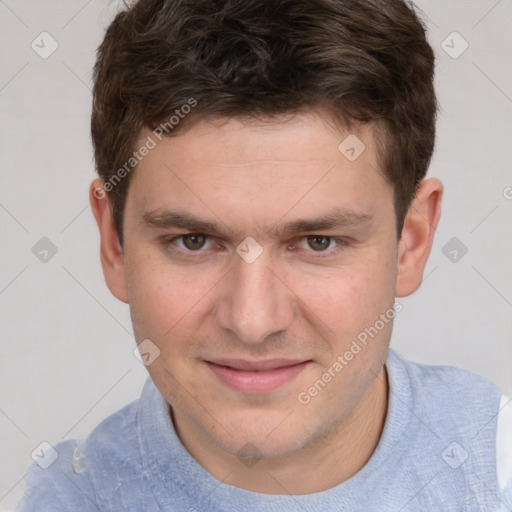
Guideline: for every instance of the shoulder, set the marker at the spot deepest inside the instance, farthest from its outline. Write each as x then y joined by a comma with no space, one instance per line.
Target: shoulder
437,374
445,386
71,475
458,405
52,485
453,402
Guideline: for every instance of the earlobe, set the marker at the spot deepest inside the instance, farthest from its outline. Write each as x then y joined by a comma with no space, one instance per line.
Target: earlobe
418,236
111,252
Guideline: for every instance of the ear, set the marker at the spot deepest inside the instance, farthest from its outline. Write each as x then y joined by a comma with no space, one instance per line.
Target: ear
111,252
418,235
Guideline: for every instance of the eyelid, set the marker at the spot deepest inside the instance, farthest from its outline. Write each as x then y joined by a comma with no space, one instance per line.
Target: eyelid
177,238
341,242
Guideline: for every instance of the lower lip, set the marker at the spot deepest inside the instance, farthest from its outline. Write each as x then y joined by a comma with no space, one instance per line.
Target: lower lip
263,381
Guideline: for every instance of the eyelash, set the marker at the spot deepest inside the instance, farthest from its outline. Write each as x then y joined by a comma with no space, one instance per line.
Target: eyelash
169,244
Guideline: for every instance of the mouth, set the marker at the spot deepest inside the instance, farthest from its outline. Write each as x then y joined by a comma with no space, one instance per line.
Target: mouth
256,376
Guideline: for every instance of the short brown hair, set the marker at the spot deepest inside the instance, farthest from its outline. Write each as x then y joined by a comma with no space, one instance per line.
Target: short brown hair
366,61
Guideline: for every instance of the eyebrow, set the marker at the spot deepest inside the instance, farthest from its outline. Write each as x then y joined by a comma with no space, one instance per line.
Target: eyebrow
339,218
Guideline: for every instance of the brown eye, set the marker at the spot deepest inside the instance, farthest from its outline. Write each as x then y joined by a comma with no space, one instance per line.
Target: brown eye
194,241
318,243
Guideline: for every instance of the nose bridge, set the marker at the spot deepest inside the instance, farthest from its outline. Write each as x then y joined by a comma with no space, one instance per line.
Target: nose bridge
255,304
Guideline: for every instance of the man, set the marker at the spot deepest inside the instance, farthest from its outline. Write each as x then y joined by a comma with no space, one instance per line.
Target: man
262,201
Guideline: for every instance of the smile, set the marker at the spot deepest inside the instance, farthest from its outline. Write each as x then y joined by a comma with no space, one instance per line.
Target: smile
256,377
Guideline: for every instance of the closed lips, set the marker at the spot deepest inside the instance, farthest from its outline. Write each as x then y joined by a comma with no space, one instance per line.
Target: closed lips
256,366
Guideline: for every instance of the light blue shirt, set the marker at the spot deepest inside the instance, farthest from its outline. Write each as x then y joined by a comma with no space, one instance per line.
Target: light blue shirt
437,452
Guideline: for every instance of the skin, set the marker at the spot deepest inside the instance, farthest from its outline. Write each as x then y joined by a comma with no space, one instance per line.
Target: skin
296,300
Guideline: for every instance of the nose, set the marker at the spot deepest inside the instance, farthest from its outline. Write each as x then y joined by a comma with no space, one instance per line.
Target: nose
255,303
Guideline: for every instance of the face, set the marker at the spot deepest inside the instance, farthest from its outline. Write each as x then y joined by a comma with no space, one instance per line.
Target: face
254,255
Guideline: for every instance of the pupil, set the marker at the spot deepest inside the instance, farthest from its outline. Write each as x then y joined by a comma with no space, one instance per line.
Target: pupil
194,241
318,243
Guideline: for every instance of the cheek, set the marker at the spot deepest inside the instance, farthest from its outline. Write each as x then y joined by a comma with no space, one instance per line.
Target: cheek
161,300
164,307
350,298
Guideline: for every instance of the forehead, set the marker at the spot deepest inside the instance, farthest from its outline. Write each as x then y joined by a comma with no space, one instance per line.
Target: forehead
306,137
303,162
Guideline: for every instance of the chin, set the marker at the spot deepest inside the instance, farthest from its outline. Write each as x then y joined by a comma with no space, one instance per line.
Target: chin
266,436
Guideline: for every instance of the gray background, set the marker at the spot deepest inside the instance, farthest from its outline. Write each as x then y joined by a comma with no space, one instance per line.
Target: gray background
66,343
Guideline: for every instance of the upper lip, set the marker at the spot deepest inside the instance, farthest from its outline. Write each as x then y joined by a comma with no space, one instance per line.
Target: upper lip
270,364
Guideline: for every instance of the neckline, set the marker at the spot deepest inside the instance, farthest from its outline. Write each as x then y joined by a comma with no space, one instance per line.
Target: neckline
171,466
